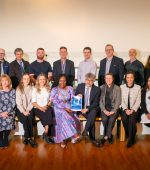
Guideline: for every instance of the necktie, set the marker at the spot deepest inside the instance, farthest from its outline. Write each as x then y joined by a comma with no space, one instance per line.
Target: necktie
86,102
21,67
63,65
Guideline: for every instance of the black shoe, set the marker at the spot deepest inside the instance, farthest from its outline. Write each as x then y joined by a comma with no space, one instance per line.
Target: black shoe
110,140
85,134
1,145
25,141
102,141
32,143
96,143
129,144
51,140
47,138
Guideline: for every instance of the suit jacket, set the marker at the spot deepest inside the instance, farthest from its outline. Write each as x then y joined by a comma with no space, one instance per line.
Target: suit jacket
116,98
69,71
15,73
94,95
116,68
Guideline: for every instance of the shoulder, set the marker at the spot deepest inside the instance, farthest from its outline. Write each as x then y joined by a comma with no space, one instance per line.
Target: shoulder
33,63
137,87
13,62
26,62
12,91
123,86
103,60
118,59
81,85
139,63
70,88
56,62
70,62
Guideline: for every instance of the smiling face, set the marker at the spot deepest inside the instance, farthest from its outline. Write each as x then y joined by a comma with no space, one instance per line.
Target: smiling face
19,55
26,80
4,83
63,53
89,82
130,79
62,82
109,50
109,80
42,81
132,54
87,54
2,54
40,54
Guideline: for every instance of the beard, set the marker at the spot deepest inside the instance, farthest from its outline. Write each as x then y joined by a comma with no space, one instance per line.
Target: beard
40,57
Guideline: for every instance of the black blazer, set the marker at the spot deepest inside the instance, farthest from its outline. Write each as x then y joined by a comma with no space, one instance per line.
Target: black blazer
94,95
116,68
69,71
143,102
15,73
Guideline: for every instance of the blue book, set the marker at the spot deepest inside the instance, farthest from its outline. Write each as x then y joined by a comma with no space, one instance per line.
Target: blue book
76,103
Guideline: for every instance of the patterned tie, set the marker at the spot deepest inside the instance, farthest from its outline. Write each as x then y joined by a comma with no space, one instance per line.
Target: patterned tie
1,68
86,102
21,67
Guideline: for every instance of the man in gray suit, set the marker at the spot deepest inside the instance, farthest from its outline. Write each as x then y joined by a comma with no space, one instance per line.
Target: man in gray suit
110,101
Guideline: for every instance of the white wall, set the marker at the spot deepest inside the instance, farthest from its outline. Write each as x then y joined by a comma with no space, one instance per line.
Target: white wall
75,23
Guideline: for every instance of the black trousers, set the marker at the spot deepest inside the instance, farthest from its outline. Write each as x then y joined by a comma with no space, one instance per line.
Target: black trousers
27,122
4,138
108,123
129,123
90,124
47,118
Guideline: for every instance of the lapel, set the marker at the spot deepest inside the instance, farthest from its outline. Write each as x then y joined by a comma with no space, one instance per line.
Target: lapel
112,64
59,67
17,67
66,66
104,66
92,93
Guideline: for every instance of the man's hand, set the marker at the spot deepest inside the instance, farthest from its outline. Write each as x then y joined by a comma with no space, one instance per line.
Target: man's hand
43,109
106,112
84,111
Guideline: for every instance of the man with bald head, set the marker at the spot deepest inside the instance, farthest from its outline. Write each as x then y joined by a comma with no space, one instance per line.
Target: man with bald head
135,66
4,65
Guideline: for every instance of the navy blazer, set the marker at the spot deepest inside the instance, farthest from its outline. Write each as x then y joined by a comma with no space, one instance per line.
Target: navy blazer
69,71
116,68
94,95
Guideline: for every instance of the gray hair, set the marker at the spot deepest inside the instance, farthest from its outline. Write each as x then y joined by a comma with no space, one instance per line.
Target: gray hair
90,76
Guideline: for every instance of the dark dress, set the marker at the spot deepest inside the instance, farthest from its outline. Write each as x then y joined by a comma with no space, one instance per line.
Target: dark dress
7,104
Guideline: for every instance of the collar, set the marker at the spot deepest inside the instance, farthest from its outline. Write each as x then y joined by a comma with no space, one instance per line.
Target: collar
131,86
109,58
132,60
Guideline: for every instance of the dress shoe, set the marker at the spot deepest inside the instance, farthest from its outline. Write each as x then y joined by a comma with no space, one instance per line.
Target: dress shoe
85,134
32,143
129,144
1,145
102,141
25,141
96,143
110,140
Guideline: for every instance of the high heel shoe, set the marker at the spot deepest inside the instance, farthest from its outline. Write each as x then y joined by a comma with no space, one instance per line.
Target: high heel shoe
63,145
32,143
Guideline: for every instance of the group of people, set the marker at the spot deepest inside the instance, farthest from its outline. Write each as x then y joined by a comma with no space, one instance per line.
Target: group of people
25,91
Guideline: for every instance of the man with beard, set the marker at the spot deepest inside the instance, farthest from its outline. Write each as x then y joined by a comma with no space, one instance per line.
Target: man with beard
40,66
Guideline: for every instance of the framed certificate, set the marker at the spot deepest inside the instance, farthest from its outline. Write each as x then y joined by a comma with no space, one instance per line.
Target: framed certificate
76,103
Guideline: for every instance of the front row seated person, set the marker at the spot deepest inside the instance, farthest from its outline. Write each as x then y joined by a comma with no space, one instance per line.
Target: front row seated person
110,101
91,96
131,100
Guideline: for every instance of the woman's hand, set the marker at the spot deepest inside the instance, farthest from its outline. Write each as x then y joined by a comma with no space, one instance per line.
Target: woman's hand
26,113
68,110
5,114
43,109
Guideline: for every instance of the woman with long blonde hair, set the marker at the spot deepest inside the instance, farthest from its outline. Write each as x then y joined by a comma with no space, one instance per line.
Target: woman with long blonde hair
43,110
7,105
25,109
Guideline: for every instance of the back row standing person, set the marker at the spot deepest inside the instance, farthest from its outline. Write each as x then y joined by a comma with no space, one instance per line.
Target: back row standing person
86,66
18,67
40,66
4,65
136,67
111,64
63,66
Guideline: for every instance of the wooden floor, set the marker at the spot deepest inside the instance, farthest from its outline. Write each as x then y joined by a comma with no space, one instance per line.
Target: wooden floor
76,156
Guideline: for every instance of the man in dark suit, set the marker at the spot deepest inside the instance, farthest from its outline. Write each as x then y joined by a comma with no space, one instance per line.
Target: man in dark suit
111,64
63,66
4,65
91,97
18,67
